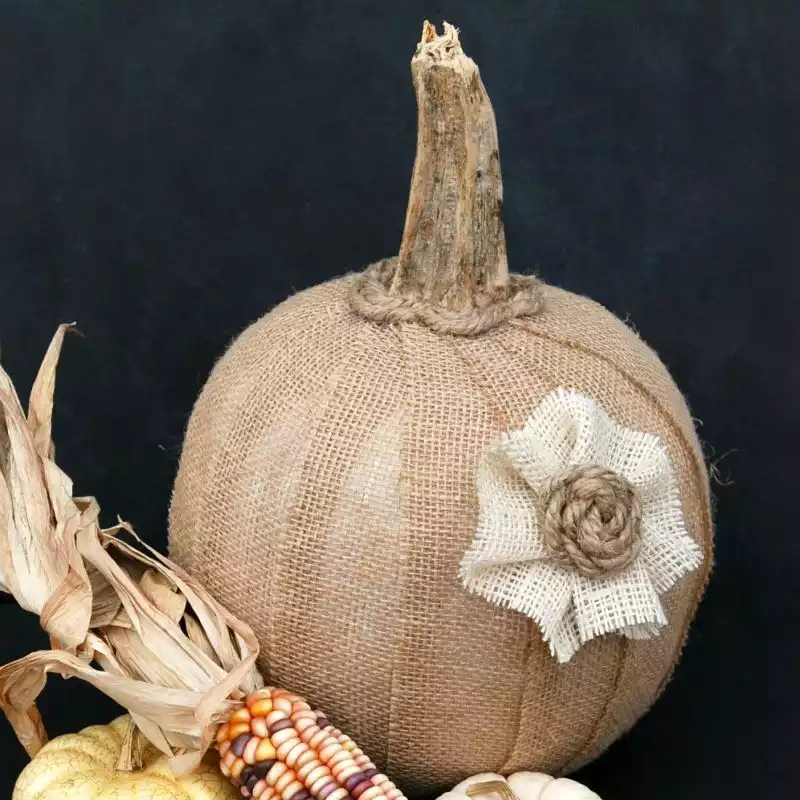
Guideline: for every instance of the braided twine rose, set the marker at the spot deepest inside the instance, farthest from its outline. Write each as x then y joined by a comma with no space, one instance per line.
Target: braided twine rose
591,521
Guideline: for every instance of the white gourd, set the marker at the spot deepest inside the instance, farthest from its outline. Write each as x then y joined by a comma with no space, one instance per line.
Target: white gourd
523,785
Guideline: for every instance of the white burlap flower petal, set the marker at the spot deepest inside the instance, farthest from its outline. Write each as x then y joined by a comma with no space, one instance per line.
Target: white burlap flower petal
668,551
507,529
614,602
640,632
561,431
510,564
530,456
643,460
588,426
540,591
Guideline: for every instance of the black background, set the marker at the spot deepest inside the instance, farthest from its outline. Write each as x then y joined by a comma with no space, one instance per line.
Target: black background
170,171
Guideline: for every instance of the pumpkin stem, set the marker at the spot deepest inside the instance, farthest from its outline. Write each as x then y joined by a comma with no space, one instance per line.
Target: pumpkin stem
453,247
452,271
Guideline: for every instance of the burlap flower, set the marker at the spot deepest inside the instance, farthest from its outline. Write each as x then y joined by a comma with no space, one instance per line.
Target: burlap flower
580,525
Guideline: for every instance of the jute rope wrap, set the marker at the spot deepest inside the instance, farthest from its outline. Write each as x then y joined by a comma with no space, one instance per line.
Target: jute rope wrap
591,521
372,298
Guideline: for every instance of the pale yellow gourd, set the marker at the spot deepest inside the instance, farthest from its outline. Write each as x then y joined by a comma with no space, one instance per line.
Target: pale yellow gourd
83,766
519,786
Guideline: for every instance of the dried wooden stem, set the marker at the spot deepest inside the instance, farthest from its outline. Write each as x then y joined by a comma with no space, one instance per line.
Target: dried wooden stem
452,272
453,247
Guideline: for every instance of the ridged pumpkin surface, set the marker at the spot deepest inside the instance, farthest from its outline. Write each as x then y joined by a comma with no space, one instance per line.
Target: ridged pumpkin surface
83,766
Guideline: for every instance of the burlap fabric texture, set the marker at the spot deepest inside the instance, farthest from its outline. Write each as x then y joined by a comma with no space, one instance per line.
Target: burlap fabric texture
327,495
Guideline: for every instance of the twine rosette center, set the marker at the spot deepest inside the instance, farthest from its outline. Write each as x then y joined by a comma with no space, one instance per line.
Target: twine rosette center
591,521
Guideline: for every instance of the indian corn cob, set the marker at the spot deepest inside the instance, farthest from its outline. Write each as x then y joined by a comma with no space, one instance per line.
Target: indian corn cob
276,747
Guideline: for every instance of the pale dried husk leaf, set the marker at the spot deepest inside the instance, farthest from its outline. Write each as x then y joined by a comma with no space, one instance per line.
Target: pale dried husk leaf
119,615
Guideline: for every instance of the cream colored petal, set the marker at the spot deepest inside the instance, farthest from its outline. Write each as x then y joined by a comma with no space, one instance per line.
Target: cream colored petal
529,454
589,428
536,589
640,632
609,604
559,432
668,552
644,461
564,640
507,527
566,428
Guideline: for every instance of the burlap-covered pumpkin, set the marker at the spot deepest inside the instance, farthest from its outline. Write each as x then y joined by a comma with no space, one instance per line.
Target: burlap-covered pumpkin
354,452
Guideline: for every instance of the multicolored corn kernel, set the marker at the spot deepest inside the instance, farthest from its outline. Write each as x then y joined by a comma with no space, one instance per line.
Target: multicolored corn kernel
276,747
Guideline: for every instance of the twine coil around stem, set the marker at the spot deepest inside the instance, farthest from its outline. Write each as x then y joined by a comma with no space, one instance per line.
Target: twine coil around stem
372,298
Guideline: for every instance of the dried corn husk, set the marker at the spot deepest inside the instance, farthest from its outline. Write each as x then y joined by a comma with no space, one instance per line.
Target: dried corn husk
166,650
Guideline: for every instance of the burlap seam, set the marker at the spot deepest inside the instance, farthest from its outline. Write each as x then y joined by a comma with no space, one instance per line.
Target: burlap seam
409,420
218,455
699,482
565,768
532,628
504,424
331,384
497,412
